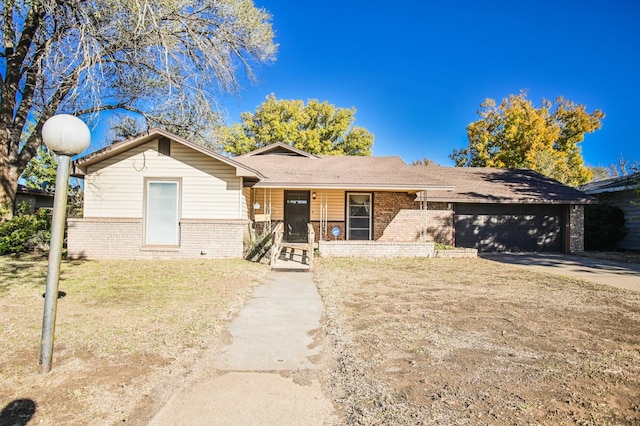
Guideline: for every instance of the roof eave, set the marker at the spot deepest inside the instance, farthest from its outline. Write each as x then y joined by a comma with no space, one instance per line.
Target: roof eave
489,200
612,189
354,186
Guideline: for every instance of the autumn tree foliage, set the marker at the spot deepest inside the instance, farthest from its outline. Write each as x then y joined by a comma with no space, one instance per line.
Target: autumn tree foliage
517,134
315,127
165,61
426,162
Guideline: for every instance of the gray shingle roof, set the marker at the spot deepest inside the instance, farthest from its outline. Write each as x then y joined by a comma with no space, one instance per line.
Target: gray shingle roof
493,185
348,172
620,183
280,166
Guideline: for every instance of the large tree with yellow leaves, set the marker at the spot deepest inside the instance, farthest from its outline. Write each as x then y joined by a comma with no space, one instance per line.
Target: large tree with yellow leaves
317,127
517,134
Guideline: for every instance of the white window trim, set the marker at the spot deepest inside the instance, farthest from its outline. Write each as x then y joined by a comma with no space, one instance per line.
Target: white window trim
348,213
147,182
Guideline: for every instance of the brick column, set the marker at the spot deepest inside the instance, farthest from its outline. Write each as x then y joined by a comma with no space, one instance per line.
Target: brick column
576,228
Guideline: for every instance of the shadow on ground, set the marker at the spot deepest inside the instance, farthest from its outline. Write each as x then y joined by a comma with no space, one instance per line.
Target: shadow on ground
18,412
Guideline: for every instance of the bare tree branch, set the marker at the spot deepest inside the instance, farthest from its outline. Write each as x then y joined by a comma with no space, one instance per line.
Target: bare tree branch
164,61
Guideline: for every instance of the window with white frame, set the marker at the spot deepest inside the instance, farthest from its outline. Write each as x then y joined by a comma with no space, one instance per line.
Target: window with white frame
359,216
162,219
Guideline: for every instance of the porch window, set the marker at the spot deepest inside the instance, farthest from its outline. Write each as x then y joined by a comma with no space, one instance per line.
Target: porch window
162,213
358,216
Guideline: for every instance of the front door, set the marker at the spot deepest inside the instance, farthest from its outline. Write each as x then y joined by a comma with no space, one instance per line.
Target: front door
296,216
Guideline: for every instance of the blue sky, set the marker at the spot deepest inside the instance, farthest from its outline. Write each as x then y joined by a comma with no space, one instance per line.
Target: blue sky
417,71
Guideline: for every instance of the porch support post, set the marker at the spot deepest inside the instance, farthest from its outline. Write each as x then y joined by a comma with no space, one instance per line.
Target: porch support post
425,211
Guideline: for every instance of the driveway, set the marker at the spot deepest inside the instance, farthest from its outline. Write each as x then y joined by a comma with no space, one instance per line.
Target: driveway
621,275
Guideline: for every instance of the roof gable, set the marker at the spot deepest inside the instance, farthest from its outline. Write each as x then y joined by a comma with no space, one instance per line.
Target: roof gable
80,165
279,148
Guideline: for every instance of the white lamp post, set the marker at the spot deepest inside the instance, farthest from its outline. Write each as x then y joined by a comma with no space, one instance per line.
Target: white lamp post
66,136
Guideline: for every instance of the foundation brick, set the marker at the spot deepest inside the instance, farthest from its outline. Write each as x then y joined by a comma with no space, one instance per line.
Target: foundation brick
375,249
121,238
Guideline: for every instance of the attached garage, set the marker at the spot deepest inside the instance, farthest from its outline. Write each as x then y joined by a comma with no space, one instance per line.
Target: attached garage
509,227
514,210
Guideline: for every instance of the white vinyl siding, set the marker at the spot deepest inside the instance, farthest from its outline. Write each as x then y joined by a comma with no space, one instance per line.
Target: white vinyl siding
334,202
162,213
210,188
273,198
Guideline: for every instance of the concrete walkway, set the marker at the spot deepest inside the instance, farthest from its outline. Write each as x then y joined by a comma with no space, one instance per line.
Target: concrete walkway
266,375
621,275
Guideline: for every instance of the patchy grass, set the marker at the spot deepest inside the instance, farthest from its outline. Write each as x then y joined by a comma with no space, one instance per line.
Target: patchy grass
469,341
417,341
126,332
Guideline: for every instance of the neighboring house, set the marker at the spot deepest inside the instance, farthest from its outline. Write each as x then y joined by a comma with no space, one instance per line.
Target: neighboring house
34,198
622,192
158,195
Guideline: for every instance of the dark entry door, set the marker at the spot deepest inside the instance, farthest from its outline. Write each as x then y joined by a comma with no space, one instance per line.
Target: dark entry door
296,216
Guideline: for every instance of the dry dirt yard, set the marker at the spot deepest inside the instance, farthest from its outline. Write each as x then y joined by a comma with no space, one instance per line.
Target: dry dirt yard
127,333
470,341
436,341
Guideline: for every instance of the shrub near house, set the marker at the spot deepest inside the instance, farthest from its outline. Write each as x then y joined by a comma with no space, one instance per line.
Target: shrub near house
25,231
622,192
604,227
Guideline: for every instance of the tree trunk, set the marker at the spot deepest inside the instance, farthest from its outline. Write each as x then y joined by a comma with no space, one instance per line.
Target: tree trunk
9,179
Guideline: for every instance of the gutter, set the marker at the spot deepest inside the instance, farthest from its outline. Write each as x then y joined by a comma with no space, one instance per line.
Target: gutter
382,187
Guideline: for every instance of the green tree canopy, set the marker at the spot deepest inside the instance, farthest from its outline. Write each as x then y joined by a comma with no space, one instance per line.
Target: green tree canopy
40,173
518,134
165,61
317,127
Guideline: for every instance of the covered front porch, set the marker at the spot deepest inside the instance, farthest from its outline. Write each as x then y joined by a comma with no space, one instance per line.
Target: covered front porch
355,215
299,256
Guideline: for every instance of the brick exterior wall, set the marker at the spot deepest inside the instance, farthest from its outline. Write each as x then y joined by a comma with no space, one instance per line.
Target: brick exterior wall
375,249
103,238
118,238
386,206
440,226
576,228
330,225
397,217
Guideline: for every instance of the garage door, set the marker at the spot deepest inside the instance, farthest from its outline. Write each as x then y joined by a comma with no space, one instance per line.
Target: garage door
509,227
